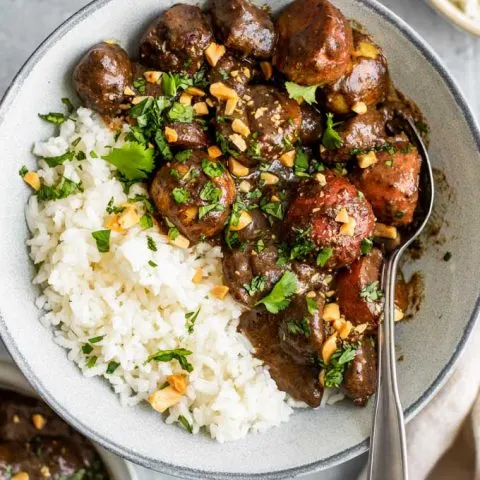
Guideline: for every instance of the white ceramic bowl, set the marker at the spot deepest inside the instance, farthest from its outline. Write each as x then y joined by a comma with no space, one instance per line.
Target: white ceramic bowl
12,379
456,16
313,439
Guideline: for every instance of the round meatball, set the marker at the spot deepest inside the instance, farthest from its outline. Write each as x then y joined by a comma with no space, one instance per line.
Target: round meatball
361,308
196,195
314,42
243,27
232,72
334,213
251,276
366,81
312,126
360,378
273,121
301,329
391,184
176,40
101,76
190,135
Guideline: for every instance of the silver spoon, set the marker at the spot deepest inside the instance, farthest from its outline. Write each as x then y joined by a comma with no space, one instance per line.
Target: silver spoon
388,450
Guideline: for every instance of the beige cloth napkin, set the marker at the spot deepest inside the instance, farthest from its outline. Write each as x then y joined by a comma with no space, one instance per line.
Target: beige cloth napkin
443,440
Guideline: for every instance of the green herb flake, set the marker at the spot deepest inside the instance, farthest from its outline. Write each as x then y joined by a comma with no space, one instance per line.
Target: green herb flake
259,246
183,156
184,422
151,244
279,298
273,209
112,209
399,214
331,139
257,284
60,159
181,113
206,209
301,165
212,169
96,339
133,160
324,256
447,256
335,369
180,195
152,264
112,366
389,163
179,354
92,361
102,239
63,189
146,221
173,233
297,92
53,117
371,292
68,103
23,171
87,349
299,328
366,246
140,84
312,306
190,319
80,156
93,154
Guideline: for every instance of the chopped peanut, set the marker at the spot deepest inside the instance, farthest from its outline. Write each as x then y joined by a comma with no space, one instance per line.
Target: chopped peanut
112,224
329,347
239,127
39,421
222,92
21,476
288,159
128,92
152,76
366,49
338,324
162,400
360,108
385,231
139,99
185,99
361,328
209,102
171,135
321,179
243,220
180,242
238,141
219,291
201,108
111,41
236,168
331,312
245,186
195,92
214,152
345,330
342,216
267,70
198,276
348,229
178,382
230,106
16,419
33,180
339,103
214,53
274,198
269,178
45,471
366,160
399,315
189,214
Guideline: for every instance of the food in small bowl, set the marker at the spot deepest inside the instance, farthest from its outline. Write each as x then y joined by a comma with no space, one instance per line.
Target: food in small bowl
462,13
208,226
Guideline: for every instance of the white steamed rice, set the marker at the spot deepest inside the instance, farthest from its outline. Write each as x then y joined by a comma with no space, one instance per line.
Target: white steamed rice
471,8
139,309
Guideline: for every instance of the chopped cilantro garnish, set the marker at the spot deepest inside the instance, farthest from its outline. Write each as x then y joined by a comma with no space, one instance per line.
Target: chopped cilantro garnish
151,244
68,103
23,171
331,138
58,160
87,349
140,84
335,368
301,163
299,328
324,256
146,221
303,244
184,422
133,160
299,91
206,209
179,354
273,209
180,195
112,366
63,189
210,193
92,361
447,256
371,292
181,113
259,246
257,284
53,117
279,298
212,169
312,306
190,319
183,156
366,246
102,239
152,264
111,208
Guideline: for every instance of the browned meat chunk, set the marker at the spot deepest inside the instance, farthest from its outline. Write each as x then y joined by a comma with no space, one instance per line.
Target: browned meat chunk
232,72
356,290
243,27
101,76
195,195
339,219
176,40
391,184
314,42
366,81
251,277
298,380
312,127
360,379
190,135
273,121
302,330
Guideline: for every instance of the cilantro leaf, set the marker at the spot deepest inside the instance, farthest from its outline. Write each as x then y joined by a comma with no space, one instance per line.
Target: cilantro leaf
212,169
312,306
184,422
151,244
102,239
324,256
133,160
180,195
210,193
371,292
331,138
190,319
366,246
335,369
53,117
68,103
146,221
63,189
179,354
299,328
279,298
257,284
181,113
58,160
299,91
112,366
206,209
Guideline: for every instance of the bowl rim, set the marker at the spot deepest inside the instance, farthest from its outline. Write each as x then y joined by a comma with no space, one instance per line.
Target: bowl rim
455,16
12,379
186,472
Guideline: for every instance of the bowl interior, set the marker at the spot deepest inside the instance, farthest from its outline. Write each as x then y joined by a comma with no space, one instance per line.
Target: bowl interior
312,439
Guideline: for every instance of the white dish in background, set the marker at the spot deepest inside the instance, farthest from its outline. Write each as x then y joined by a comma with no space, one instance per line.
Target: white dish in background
456,16
12,379
312,440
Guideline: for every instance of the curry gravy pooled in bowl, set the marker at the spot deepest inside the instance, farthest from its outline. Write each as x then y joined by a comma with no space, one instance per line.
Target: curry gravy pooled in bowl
208,227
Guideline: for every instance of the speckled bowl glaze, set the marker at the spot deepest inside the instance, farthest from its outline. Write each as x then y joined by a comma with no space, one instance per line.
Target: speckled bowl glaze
12,379
313,439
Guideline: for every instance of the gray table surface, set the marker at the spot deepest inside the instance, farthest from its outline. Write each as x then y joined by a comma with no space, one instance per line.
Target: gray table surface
25,23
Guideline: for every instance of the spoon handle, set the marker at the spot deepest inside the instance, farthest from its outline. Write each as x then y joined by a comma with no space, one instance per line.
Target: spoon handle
388,452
